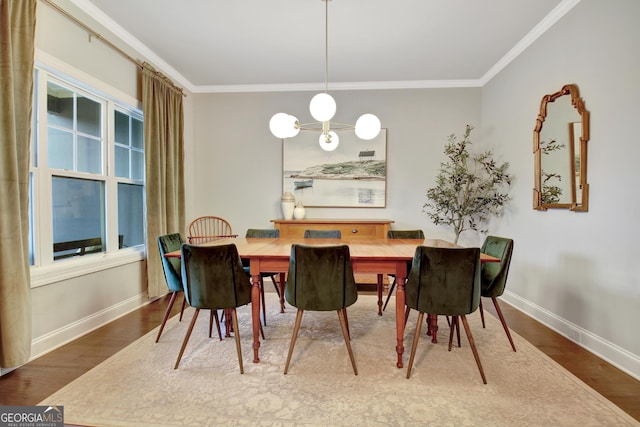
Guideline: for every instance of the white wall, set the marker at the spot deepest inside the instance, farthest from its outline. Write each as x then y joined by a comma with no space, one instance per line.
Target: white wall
577,271
237,166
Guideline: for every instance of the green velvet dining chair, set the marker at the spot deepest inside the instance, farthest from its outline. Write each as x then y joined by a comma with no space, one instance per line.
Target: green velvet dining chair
172,275
322,234
320,278
257,233
213,278
493,277
444,281
400,234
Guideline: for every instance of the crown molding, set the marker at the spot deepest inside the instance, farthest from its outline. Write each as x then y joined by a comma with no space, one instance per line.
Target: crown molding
554,16
548,21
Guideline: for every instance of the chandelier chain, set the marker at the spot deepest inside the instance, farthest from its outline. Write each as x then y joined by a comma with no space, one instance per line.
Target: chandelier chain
326,46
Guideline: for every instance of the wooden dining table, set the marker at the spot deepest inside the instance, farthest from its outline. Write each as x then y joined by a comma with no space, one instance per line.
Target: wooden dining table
378,256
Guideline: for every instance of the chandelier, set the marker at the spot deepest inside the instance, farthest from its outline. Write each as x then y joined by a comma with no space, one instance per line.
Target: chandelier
323,108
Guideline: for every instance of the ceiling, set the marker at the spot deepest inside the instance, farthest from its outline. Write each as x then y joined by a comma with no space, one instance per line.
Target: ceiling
259,45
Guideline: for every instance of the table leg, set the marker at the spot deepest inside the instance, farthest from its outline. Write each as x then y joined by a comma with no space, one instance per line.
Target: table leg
281,283
400,306
432,325
255,315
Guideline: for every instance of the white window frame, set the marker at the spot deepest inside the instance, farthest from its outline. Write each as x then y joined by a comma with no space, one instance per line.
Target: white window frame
44,270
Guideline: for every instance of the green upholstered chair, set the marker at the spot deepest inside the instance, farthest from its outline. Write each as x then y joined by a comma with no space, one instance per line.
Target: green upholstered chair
493,276
321,278
322,234
253,233
213,278
444,281
171,267
400,234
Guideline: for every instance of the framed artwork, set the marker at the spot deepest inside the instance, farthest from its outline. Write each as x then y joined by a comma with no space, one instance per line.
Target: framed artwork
354,175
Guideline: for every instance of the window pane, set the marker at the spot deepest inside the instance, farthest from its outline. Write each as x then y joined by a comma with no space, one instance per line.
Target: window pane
122,128
60,149
89,114
130,214
137,133
137,165
122,162
89,155
78,214
59,106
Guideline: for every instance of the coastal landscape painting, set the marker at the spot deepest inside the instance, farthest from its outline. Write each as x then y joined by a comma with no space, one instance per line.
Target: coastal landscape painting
353,175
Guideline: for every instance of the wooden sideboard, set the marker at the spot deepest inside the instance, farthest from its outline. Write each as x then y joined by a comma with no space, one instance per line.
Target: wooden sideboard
350,228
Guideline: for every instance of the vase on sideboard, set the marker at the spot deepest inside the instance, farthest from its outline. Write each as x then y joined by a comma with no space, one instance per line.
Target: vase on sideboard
288,203
299,211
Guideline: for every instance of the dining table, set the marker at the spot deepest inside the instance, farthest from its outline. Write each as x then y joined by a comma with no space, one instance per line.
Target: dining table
378,256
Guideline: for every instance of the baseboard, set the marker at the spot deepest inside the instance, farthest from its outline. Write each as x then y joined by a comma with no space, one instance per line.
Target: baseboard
611,353
55,339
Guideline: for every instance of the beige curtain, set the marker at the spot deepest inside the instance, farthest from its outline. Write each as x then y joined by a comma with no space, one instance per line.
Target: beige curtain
164,154
17,34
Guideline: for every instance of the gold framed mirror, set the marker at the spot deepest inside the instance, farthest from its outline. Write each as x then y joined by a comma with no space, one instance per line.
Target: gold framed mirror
560,152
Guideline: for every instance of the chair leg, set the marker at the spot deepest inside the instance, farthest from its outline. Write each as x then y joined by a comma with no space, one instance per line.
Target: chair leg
346,322
416,337
294,336
452,328
481,312
214,313
455,326
473,347
186,337
275,285
391,288
184,304
211,323
504,323
234,318
379,288
264,309
166,314
342,315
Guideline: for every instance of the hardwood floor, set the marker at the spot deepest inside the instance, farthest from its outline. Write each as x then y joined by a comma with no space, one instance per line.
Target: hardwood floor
31,383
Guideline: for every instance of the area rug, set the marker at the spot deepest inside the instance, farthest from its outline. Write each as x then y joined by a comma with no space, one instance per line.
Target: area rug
139,387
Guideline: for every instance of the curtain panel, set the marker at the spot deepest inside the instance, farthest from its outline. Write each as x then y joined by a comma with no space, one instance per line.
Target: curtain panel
164,164
17,38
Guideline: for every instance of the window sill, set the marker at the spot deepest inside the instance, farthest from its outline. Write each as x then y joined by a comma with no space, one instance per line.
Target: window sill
80,266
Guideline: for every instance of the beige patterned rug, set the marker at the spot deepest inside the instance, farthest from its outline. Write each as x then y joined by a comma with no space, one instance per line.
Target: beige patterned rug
139,387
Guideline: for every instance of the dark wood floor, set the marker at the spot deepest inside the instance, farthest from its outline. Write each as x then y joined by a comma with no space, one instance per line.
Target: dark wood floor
33,382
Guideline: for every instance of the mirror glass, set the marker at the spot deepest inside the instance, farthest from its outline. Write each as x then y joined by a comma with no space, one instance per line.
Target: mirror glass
560,152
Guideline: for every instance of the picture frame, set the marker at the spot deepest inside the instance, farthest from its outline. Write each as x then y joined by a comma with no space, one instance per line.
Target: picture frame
354,175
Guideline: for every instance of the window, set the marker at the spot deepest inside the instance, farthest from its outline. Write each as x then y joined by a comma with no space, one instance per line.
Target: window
87,172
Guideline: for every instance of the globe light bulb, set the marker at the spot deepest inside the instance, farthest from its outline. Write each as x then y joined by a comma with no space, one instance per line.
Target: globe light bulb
367,126
322,107
283,125
330,141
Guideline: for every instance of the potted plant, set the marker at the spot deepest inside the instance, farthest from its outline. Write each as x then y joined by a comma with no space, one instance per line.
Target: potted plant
470,187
